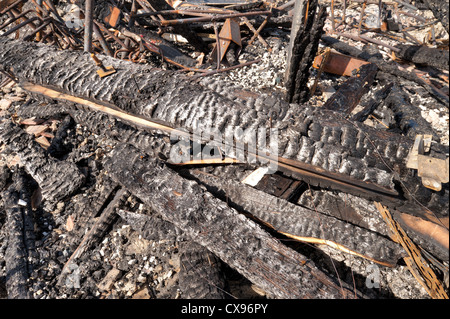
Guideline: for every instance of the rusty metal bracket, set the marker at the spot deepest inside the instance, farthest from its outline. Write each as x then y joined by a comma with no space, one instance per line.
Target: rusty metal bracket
229,32
103,71
434,171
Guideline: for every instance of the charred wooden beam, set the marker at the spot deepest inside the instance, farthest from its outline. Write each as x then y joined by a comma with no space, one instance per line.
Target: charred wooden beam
407,115
302,223
350,92
370,103
318,146
423,55
57,179
276,269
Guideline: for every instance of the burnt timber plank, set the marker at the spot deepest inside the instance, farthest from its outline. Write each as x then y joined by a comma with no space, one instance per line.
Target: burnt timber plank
241,243
321,145
302,223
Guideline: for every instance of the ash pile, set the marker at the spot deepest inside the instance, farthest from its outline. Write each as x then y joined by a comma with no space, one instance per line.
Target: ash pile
161,149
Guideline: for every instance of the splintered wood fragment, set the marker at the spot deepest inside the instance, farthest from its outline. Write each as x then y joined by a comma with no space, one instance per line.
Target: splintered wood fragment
36,130
43,141
242,244
32,121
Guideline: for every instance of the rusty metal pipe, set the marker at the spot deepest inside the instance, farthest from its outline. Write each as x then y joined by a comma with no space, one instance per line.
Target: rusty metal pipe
41,27
88,25
23,14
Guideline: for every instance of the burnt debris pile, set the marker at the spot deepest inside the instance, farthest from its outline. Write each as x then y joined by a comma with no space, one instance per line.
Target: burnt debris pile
224,149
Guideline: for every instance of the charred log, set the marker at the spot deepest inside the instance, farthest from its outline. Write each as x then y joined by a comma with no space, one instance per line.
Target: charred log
424,56
301,223
350,92
57,179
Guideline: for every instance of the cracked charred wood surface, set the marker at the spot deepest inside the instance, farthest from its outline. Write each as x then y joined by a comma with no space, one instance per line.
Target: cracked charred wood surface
308,138
301,223
440,10
57,179
407,114
278,270
151,227
201,275
304,49
20,240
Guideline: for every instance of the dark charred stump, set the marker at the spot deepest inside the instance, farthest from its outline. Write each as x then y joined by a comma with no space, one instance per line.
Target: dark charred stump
304,50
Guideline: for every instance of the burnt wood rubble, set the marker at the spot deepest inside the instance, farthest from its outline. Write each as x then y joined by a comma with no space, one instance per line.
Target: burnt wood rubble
122,160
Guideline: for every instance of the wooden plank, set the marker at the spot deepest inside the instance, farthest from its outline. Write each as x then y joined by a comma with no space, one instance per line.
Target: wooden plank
238,241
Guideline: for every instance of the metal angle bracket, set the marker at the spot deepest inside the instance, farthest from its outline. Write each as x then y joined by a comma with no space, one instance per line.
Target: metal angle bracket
433,171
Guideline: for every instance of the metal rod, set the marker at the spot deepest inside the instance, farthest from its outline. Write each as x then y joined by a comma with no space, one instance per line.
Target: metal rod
101,39
17,27
88,25
213,18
